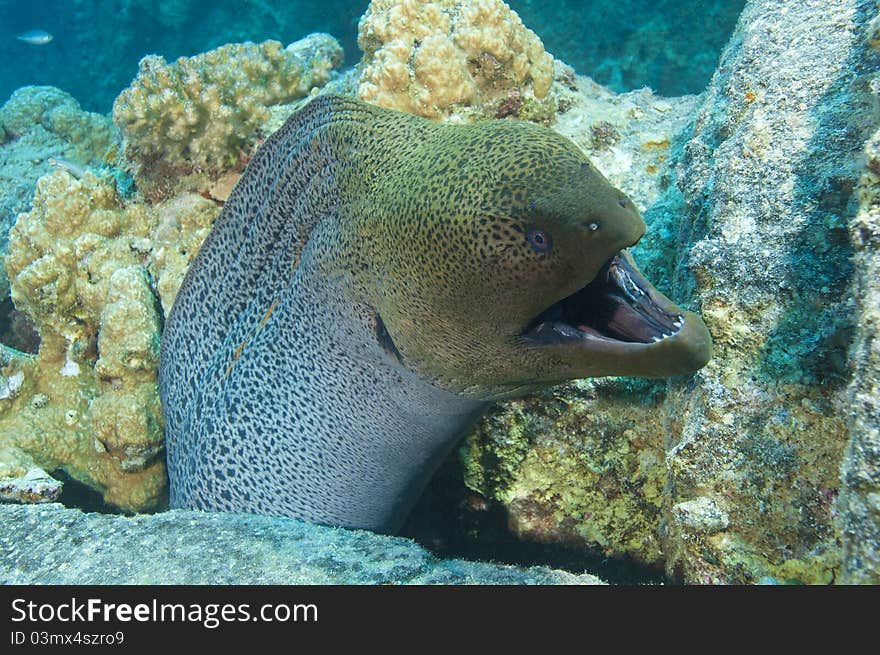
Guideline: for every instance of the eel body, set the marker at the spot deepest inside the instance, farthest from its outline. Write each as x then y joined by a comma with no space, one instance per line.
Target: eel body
372,283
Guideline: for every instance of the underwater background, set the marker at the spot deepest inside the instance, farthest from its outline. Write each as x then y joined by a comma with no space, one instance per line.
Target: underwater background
746,132
670,46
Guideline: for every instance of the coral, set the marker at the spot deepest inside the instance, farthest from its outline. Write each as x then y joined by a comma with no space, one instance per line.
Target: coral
201,113
446,57
82,267
183,223
38,125
87,136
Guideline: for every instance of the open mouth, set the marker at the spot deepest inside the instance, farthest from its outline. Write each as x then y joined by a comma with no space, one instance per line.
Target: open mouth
616,306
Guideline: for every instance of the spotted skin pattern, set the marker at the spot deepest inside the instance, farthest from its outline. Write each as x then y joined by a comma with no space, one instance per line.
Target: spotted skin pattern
360,300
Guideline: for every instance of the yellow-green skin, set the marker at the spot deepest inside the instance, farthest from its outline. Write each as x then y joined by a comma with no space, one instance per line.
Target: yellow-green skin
461,283
363,295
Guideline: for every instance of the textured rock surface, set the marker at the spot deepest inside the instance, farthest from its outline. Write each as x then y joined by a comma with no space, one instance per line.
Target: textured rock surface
201,114
768,180
470,58
48,544
859,503
581,465
89,269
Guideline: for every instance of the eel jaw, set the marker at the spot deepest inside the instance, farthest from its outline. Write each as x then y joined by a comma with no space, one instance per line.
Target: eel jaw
619,324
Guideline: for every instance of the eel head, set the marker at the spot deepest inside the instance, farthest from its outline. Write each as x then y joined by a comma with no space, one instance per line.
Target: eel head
512,271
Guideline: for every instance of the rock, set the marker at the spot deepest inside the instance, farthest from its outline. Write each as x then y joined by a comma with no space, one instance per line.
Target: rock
48,544
700,515
35,486
768,178
859,502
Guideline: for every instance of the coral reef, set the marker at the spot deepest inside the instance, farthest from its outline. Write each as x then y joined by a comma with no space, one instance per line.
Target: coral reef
38,125
453,57
89,38
201,114
761,212
629,44
83,265
181,547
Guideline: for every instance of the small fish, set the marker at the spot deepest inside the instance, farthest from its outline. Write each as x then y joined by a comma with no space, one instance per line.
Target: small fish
74,169
35,37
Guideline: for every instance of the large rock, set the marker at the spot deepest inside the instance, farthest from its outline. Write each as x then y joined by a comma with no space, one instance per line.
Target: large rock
768,179
859,504
48,544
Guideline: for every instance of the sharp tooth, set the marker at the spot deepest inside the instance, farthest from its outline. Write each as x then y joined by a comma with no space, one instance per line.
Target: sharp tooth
625,282
667,335
655,339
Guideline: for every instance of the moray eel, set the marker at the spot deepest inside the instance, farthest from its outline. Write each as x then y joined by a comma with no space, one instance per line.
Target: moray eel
372,283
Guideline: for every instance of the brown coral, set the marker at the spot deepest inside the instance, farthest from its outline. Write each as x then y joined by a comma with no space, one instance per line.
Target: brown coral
451,57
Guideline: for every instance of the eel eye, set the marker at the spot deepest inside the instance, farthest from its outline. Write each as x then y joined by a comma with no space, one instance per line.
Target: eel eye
623,202
539,240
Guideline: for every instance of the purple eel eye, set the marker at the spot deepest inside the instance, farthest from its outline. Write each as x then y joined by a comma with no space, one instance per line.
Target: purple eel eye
539,240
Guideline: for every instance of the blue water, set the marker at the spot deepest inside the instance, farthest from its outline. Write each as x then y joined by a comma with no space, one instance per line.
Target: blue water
669,45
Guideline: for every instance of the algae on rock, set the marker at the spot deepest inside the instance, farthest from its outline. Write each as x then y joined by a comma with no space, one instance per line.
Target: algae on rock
767,178
580,465
859,502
